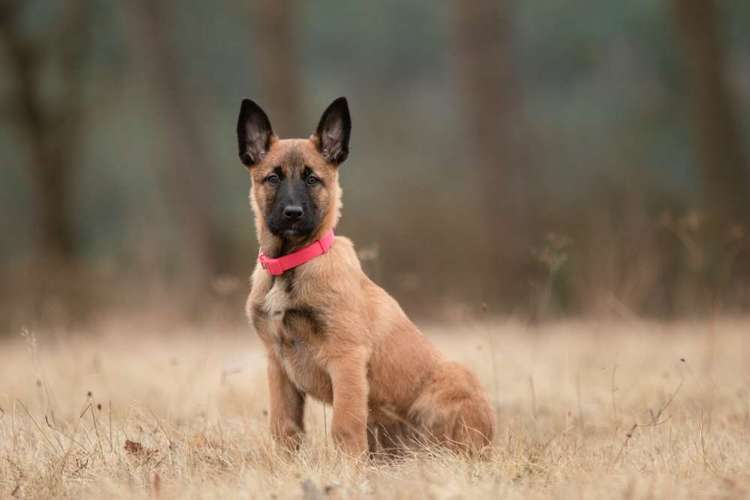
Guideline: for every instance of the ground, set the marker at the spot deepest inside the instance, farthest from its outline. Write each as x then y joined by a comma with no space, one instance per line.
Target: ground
595,409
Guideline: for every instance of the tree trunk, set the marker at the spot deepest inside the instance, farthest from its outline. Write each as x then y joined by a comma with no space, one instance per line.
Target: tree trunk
50,175
717,137
277,64
51,191
51,126
185,175
492,99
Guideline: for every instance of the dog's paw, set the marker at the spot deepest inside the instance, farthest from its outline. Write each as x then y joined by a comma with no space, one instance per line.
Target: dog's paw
353,442
288,434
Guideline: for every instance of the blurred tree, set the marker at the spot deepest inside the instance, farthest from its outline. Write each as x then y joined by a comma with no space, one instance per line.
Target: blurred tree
493,100
719,146
277,64
185,175
50,121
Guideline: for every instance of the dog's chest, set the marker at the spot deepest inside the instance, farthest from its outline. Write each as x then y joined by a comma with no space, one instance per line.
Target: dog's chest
294,332
277,300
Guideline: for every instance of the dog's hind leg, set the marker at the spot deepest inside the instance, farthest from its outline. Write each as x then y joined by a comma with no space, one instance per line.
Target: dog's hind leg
453,411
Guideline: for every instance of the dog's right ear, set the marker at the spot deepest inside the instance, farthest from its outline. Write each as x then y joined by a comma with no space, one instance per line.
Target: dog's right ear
254,133
334,129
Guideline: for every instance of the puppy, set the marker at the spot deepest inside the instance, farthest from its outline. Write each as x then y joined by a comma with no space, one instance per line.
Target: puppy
329,331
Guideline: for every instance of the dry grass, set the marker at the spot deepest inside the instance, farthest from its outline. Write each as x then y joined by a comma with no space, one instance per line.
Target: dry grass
586,410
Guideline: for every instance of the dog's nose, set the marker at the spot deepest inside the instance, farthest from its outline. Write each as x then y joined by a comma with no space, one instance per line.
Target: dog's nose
293,212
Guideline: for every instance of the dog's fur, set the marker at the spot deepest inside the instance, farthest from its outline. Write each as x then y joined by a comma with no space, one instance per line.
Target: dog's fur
329,331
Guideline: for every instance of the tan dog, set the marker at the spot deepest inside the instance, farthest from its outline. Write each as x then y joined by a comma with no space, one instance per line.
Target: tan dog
330,332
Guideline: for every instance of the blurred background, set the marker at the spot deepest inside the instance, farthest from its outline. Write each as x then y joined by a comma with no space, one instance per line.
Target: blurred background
540,159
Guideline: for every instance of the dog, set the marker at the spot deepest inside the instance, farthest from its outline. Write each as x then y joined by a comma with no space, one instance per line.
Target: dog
329,331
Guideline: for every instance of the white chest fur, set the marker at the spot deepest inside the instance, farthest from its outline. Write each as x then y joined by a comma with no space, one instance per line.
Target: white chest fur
294,342
277,299
275,304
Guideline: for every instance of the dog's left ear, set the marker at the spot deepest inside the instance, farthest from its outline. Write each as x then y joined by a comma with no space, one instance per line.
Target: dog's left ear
334,129
254,133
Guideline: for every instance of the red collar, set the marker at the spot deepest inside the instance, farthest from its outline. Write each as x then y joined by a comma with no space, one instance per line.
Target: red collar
279,266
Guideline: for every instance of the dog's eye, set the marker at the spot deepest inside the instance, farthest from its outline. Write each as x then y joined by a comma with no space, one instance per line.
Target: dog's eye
272,179
312,180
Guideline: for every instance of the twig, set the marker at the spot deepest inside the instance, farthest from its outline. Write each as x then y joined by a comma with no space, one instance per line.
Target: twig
164,431
628,436
580,406
493,357
96,431
39,427
654,422
111,442
655,418
613,389
325,425
70,448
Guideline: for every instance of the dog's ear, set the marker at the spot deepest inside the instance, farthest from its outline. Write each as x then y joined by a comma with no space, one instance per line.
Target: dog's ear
254,133
334,129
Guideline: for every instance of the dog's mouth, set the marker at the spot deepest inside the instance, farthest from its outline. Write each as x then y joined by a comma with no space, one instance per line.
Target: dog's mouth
294,230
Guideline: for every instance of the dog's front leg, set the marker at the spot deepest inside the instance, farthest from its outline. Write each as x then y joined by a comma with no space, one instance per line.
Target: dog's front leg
287,406
350,391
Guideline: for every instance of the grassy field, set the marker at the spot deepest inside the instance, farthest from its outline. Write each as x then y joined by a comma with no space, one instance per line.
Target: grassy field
585,410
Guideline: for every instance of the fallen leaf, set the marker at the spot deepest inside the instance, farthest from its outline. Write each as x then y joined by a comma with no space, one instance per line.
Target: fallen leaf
133,447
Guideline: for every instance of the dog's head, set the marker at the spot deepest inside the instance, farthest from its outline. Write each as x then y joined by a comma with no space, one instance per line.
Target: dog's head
295,192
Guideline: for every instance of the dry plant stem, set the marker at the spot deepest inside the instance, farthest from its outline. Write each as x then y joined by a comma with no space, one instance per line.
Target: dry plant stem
654,422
